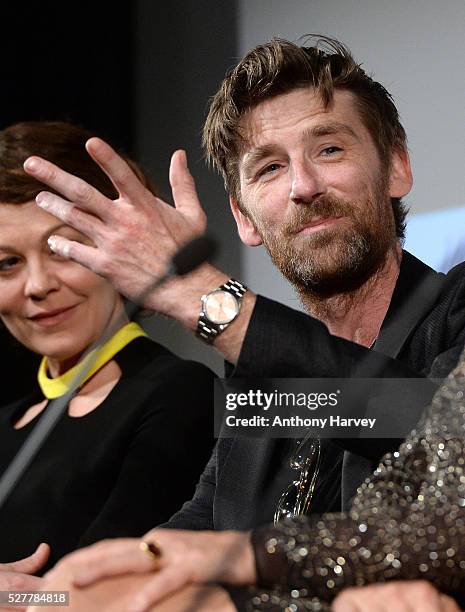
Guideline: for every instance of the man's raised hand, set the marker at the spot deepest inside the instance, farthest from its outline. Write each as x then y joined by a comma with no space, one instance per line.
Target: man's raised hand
129,240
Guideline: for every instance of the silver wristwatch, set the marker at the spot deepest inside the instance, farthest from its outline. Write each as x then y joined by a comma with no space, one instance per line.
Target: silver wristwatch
219,308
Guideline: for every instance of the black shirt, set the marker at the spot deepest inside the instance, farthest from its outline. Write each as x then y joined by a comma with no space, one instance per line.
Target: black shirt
117,471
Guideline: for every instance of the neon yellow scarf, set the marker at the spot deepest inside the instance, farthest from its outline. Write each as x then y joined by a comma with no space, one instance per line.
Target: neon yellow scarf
55,387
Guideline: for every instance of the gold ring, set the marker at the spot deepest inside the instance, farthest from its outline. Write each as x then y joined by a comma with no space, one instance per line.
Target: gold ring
151,549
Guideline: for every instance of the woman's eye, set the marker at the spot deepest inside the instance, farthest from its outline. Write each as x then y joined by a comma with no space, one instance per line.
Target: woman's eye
57,256
8,263
51,253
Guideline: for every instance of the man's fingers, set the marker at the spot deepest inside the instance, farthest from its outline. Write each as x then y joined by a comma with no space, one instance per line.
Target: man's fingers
184,191
88,256
70,214
164,583
118,171
30,564
71,187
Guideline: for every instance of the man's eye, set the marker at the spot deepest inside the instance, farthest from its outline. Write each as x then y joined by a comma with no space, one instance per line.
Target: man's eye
8,263
328,151
269,169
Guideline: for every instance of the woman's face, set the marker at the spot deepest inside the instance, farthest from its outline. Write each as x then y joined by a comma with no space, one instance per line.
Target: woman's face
53,306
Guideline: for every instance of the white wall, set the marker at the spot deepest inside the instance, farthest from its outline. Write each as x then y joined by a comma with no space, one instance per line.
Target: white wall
416,48
437,238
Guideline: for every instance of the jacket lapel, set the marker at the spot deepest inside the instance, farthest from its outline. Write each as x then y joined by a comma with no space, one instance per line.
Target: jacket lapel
252,475
417,289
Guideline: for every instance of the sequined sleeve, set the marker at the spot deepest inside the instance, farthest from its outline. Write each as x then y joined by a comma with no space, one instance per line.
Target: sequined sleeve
406,522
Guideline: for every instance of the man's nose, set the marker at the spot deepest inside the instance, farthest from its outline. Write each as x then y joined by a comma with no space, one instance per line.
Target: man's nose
41,280
307,183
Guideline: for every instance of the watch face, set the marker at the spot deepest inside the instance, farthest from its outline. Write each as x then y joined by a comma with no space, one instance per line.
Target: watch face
220,307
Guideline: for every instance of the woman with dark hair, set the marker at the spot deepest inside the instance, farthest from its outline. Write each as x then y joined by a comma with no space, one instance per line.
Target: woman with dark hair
138,432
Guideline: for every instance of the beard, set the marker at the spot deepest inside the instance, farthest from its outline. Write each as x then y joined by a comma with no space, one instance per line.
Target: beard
336,259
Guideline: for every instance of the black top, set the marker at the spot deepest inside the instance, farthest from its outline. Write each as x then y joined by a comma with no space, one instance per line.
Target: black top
119,470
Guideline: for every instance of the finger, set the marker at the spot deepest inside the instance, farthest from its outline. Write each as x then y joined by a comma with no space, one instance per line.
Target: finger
367,599
16,581
421,596
87,256
30,564
70,186
344,603
165,582
448,604
118,171
183,188
112,562
86,223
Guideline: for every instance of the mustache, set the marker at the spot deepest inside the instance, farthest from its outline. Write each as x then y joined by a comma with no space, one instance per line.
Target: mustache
323,207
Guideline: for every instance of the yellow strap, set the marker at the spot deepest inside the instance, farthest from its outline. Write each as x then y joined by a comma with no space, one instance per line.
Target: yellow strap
55,387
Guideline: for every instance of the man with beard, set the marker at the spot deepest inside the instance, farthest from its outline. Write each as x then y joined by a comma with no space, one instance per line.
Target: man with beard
315,161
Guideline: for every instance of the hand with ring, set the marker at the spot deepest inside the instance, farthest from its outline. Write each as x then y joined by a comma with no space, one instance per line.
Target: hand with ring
151,549
176,558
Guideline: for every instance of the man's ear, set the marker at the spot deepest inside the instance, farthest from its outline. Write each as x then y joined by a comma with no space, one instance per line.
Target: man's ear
400,174
245,227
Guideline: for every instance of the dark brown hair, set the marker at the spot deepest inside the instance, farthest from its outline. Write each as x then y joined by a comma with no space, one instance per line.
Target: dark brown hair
59,142
280,66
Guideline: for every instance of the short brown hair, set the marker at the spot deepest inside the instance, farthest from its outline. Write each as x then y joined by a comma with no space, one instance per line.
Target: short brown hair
280,66
59,142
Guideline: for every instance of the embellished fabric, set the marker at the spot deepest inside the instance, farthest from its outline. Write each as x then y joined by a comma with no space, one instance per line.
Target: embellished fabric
406,522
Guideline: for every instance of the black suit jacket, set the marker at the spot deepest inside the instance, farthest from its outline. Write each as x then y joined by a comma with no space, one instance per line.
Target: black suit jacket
423,331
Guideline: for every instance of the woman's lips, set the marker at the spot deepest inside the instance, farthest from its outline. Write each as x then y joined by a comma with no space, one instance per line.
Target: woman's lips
318,224
53,317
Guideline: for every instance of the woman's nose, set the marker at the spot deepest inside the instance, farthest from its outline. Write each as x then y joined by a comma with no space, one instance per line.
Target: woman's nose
41,280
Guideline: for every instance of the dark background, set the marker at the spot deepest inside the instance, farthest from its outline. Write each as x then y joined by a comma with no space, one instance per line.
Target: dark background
136,73
69,61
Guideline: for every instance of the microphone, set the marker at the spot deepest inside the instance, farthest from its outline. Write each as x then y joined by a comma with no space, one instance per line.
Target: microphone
192,255
187,259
